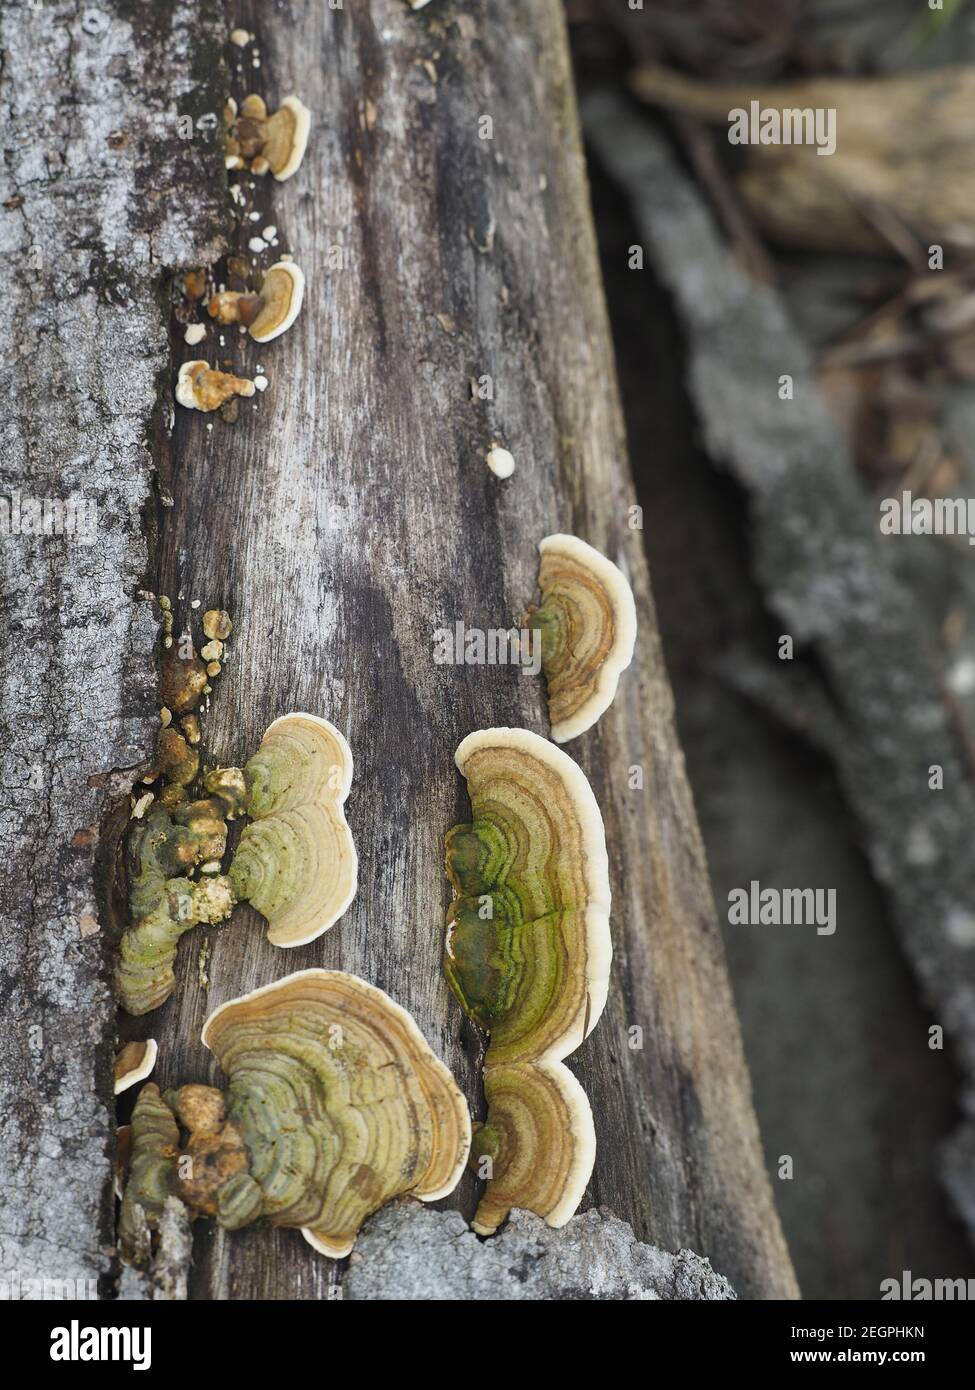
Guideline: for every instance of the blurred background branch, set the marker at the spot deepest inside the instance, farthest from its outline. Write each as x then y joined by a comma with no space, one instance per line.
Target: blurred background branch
762,519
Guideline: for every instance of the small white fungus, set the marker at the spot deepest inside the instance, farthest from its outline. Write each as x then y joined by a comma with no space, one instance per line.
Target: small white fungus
500,462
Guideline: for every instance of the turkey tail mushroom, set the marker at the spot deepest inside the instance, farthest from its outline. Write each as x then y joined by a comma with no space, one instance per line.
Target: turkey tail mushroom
133,1063
540,1141
528,949
528,954
152,1145
164,903
339,1103
587,621
296,862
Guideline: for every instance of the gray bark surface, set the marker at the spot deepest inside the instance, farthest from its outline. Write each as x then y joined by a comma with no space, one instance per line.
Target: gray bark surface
341,520
879,707
91,207
407,1251
167,1278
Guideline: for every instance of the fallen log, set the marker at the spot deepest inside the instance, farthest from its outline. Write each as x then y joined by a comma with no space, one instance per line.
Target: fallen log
346,514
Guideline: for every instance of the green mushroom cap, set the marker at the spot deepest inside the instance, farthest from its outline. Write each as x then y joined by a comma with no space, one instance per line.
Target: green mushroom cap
528,954
528,948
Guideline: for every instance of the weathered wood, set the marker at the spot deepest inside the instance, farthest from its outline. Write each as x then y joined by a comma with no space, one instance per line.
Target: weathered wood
347,515
90,212
351,514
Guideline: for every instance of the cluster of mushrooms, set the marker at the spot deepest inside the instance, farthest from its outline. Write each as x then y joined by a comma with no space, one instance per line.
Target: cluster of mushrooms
334,1103
295,861
260,143
528,948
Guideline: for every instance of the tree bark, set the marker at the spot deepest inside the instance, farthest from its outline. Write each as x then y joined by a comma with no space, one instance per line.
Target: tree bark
343,518
97,196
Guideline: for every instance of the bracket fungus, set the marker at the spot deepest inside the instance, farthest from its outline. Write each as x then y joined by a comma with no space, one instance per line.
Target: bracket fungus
540,1138
217,625
335,1104
296,862
152,1146
528,954
269,314
262,142
133,1063
282,291
215,1148
164,903
587,621
235,306
201,387
176,761
528,948
182,681
227,785
172,837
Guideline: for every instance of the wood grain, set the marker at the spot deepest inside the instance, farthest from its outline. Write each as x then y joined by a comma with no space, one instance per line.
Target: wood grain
348,514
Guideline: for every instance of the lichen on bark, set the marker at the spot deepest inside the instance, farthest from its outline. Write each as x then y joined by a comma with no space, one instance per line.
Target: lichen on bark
90,224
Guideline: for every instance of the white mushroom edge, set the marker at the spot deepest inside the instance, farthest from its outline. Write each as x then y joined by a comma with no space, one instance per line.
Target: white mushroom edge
297,277
341,794
617,590
599,948
139,1073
